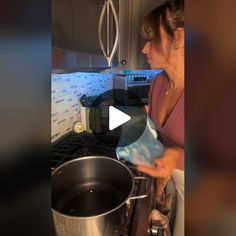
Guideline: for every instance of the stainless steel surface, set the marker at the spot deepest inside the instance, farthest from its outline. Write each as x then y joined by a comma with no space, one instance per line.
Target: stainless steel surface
136,219
136,85
80,172
160,226
100,28
108,27
107,53
142,226
99,226
140,222
131,16
67,61
147,183
165,211
134,79
117,31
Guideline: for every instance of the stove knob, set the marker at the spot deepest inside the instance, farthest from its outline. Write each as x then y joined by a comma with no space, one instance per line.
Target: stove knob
157,232
159,227
153,231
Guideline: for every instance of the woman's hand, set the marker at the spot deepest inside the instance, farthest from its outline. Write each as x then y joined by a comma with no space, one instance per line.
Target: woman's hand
164,165
146,108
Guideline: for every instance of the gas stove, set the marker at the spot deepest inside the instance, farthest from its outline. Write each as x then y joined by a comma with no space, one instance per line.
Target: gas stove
73,145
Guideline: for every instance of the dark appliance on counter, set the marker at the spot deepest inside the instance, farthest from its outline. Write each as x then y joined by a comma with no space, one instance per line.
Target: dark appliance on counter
136,219
136,87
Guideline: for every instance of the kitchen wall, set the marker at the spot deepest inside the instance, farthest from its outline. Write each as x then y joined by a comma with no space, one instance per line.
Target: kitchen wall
66,91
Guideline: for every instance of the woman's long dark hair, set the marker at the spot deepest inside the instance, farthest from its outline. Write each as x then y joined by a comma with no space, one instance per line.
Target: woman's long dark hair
170,15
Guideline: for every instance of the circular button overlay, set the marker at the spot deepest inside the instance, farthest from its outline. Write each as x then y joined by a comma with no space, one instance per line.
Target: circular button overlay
107,112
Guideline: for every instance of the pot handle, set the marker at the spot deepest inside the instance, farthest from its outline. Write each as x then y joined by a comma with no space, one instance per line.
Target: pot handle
147,183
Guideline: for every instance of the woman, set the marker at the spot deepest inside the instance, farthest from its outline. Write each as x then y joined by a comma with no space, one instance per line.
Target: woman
164,30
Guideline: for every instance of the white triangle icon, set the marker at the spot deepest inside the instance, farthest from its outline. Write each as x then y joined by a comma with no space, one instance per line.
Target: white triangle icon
117,118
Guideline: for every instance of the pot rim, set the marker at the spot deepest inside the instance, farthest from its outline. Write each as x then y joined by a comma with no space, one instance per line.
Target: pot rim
94,157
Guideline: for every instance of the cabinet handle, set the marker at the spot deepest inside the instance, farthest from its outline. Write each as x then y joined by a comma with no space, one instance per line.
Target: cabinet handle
109,55
117,30
100,28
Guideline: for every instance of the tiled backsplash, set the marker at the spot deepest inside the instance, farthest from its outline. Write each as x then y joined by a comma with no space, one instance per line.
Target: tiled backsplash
66,91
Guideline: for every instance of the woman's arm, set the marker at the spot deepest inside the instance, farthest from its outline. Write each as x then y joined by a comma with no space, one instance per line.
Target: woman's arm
164,165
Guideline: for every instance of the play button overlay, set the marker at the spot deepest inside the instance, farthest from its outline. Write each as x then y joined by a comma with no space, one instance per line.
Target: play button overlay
114,121
117,118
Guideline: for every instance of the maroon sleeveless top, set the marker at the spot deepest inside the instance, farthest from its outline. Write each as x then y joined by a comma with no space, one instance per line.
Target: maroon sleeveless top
171,132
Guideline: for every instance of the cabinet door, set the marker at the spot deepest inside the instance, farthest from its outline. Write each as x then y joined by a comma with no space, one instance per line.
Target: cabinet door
86,16
62,28
75,27
147,6
132,14
85,22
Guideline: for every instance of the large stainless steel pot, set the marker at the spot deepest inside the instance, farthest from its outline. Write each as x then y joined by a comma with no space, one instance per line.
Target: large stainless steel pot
90,196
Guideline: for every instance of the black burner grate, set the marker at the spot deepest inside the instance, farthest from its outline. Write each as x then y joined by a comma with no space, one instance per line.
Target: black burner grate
78,145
